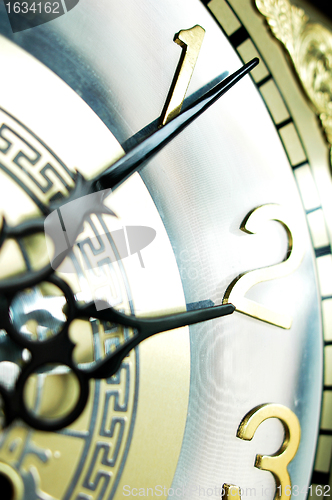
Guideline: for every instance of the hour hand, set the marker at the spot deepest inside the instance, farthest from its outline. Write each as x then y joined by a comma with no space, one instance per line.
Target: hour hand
145,327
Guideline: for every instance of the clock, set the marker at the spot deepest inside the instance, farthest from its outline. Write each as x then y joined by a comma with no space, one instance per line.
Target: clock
236,209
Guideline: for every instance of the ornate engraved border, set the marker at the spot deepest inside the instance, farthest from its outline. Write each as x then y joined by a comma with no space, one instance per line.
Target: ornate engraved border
310,48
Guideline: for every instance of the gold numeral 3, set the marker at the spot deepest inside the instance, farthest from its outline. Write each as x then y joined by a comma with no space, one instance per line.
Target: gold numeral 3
277,463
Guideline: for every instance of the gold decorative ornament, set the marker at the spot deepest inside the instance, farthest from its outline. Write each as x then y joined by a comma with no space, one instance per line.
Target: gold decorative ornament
310,48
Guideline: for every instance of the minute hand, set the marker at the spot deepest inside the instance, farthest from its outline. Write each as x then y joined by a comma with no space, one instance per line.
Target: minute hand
135,159
112,177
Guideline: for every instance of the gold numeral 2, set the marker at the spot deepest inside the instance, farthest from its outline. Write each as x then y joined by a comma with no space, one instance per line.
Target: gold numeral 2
277,463
236,291
190,40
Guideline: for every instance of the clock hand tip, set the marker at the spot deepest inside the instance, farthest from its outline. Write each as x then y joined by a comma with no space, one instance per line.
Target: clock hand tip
254,61
227,308
246,68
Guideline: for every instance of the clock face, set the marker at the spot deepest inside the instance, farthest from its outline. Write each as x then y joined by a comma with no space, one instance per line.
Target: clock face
239,203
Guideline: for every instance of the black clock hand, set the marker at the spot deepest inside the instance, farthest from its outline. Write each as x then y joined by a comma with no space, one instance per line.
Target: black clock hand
149,129
59,349
146,328
135,159
132,162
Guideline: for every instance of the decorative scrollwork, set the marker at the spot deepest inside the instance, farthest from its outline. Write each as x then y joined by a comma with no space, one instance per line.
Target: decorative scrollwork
310,48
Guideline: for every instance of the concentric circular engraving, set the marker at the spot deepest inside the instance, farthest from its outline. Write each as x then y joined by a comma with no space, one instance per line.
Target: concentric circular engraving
89,459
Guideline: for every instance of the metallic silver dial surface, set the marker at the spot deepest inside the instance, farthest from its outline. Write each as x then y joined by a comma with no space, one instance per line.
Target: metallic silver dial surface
119,57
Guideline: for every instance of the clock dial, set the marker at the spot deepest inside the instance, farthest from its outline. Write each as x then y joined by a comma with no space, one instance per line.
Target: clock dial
236,211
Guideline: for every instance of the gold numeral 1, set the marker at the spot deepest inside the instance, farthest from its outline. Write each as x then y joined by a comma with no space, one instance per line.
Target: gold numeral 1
190,40
277,463
236,291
